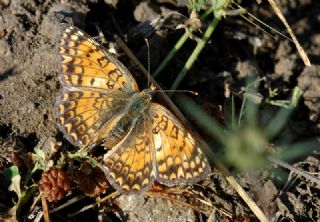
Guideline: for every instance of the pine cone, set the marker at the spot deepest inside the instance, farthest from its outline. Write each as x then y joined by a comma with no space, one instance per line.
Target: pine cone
91,181
55,184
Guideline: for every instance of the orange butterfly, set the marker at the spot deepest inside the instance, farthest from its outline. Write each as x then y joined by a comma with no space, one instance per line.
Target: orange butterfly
101,104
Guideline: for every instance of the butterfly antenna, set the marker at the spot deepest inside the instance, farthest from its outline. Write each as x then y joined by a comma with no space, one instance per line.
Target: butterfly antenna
178,91
172,91
148,47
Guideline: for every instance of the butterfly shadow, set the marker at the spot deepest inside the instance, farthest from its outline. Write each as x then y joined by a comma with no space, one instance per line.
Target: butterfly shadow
6,74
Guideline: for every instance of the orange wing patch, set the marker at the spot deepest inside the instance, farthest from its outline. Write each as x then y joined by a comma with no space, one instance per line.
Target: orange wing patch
179,160
82,114
129,166
85,63
96,87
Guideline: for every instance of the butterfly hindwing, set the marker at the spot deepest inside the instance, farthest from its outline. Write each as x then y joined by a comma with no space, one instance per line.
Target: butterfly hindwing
179,159
129,165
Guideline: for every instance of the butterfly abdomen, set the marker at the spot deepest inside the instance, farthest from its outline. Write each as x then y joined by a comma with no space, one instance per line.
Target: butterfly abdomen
118,132
137,104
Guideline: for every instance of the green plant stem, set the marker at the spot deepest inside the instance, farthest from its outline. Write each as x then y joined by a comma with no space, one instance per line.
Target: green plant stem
195,53
210,124
23,200
172,52
233,113
36,167
178,46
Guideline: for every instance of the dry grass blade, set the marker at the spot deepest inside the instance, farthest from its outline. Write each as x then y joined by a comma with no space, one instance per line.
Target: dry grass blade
251,204
172,194
45,209
167,197
296,170
35,202
242,193
112,195
68,203
302,53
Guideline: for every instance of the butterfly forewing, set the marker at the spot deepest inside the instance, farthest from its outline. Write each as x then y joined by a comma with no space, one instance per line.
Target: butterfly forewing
86,64
83,114
96,87
179,159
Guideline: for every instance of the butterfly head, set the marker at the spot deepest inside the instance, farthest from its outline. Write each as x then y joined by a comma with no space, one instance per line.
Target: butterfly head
140,102
146,96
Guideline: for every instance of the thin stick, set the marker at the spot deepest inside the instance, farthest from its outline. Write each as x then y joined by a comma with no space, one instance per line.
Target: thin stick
68,203
302,53
159,195
35,202
112,195
242,193
232,181
164,195
294,169
148,46
45,209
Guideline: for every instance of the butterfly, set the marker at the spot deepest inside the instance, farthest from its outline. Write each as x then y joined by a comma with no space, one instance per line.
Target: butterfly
100,103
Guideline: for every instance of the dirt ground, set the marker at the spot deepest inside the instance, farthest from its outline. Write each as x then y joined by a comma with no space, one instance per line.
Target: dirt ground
29,87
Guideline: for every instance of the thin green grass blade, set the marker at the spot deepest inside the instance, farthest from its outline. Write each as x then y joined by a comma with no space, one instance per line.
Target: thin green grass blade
277,123
195,53
233,113
178,46
298,149
170,55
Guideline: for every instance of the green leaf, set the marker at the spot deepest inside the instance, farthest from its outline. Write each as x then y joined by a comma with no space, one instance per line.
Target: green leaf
40,153
14,178
219,7
11,172
297,93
